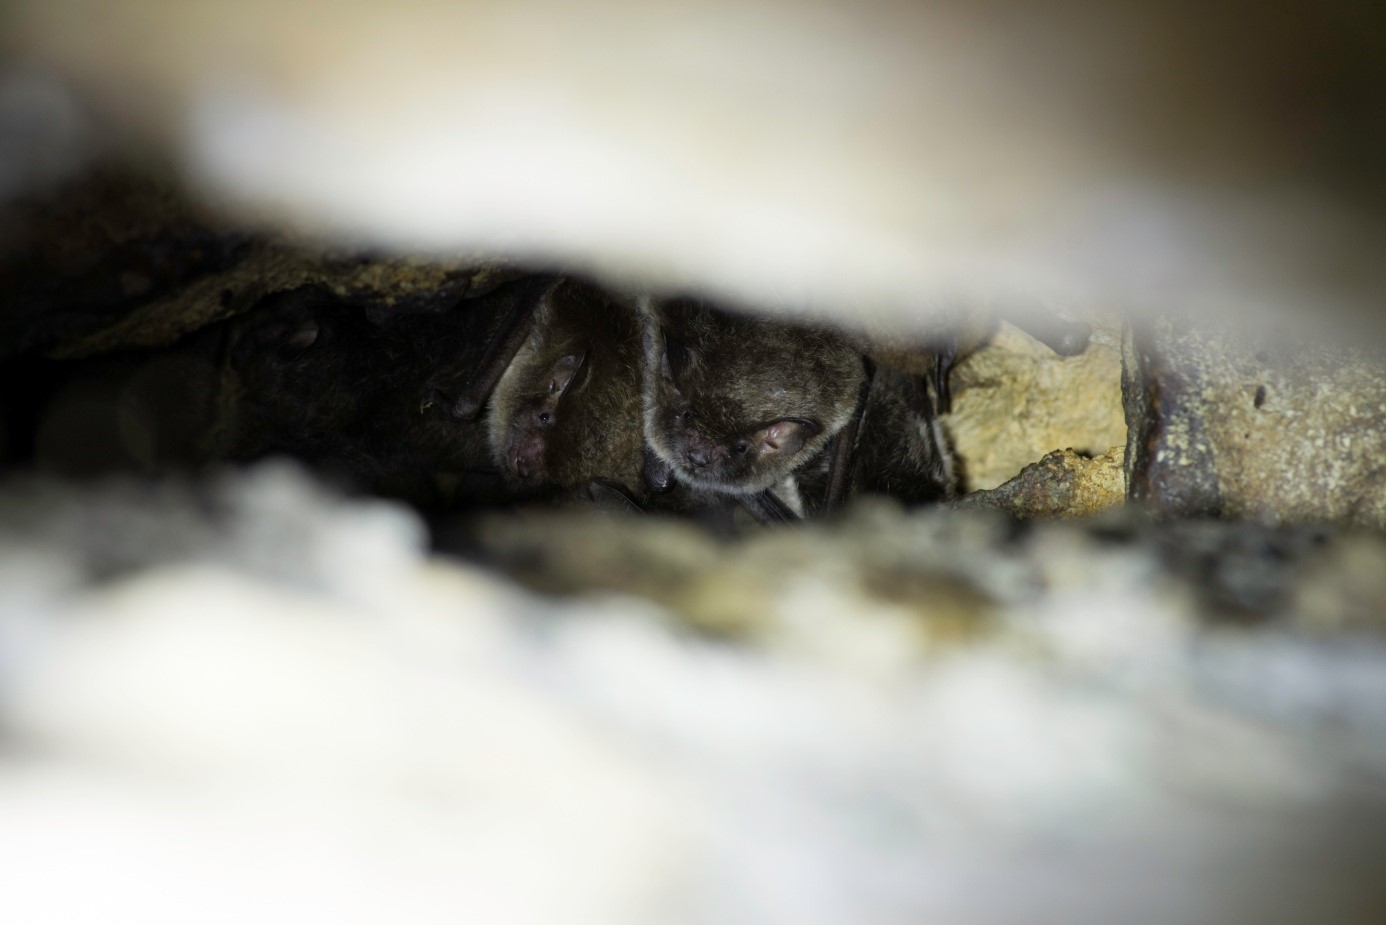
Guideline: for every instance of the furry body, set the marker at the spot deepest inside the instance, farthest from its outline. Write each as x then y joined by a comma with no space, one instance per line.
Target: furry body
591,431
718,387
373,397
735,404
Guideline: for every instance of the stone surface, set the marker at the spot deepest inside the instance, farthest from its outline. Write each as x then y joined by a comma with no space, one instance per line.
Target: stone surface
1015,400
883,152
1229,423
399,284
119,258
1062,484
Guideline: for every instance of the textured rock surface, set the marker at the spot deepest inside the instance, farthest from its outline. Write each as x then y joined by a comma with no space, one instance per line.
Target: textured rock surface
272,266
1015,400
1062,484
1224,422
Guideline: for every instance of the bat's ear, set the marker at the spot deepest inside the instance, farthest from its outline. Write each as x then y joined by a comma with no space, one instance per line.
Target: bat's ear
676,359
657,474
302,336
784,437
284,338
289,338
290,324
544,306
568,373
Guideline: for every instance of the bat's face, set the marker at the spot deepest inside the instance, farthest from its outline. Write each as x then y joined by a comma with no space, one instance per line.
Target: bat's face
549,385
567,410
735,405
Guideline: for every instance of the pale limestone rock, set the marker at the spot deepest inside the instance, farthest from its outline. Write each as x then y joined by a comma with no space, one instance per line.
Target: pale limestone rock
1015,400
1062,484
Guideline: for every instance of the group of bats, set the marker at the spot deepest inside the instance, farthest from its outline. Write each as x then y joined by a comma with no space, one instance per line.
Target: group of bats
554,387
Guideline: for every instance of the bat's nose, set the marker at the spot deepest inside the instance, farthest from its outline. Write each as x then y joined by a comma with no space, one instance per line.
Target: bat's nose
698,457
526,457
521,465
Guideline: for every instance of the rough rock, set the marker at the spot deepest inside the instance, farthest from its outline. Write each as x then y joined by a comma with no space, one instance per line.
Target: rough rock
1226,422
1062,484
1015,400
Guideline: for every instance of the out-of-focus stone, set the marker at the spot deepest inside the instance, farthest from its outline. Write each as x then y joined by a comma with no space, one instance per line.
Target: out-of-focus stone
122,258
1062,484
1015,400
218,665
1345,587
1226,423
884,151
768,583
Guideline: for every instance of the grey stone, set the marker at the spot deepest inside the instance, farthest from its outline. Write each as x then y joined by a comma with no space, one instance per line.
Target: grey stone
1225,422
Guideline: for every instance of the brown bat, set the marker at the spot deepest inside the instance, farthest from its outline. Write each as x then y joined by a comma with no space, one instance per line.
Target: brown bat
565,409
896,447
529,390
736,405
789,418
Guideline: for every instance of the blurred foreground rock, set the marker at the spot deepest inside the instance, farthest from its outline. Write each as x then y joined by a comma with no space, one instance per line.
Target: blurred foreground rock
1224,422
276,701
887,154
928,566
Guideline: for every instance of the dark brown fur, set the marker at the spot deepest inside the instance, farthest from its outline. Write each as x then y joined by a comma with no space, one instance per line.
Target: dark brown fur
319,379
373,396
735,404
900,450
591,431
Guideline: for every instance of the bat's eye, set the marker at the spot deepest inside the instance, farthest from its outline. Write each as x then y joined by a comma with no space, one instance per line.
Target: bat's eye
740,447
